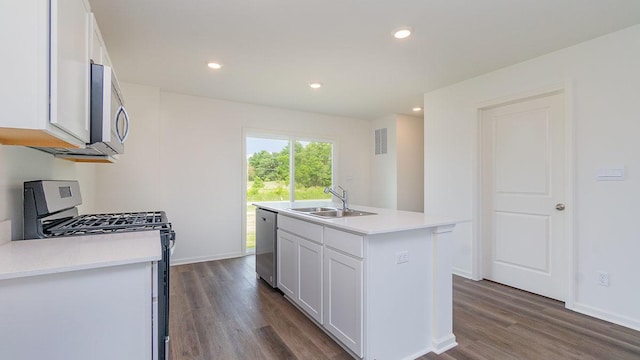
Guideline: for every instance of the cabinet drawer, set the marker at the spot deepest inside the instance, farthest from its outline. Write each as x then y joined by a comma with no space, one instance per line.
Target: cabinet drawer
301,228
347,242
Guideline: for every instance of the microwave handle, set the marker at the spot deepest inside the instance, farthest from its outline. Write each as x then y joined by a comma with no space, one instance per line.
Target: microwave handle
126,118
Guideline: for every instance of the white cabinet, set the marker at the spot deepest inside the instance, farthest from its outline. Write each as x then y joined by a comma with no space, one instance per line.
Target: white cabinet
343,290
70,68
287,264
98,314
98,50
343,287
346,242
300,264
46,74
325,281
310,278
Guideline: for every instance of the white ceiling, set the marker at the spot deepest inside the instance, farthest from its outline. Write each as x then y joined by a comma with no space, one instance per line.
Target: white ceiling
272,49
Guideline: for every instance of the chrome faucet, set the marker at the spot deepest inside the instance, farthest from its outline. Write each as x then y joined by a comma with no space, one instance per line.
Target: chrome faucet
344,198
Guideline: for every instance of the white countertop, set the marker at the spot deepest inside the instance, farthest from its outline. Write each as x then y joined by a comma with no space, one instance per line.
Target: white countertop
385,220
54,255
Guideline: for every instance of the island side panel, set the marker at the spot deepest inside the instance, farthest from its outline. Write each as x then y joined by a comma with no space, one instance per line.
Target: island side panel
443,337
399,299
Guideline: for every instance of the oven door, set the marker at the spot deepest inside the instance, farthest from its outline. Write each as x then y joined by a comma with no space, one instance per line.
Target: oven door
161,333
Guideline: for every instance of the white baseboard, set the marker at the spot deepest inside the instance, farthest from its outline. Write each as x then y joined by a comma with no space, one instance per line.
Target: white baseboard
198,259
606,316
463,273
444,343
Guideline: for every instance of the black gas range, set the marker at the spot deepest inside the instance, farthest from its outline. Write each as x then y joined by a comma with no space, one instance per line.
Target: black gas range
51,210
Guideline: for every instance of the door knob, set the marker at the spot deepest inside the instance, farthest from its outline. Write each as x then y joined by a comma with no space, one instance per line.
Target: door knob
559,207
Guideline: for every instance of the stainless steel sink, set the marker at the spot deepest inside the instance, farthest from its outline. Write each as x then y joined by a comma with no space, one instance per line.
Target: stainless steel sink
313,209
328,212
335,213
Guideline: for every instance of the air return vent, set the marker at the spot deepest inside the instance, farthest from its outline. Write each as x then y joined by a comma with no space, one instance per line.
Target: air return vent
381,141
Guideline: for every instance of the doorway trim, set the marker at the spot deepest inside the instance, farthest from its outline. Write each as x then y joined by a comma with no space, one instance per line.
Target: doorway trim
569,245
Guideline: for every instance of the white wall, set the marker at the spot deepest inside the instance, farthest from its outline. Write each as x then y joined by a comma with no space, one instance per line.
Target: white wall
19,164
397,177
602,78
410,145
184,156
384,167
134,183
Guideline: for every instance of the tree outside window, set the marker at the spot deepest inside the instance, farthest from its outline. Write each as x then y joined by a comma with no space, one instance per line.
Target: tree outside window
269,173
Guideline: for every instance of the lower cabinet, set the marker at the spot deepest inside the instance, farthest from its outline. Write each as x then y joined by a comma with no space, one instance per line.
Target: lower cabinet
98,314
320,269
300,272
310,278
287,264
343,298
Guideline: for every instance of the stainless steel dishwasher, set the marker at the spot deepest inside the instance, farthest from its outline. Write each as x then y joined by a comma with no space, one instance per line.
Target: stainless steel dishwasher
266,263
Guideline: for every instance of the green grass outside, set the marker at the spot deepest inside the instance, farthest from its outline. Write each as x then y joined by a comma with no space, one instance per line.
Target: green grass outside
279,191
251,227
251,240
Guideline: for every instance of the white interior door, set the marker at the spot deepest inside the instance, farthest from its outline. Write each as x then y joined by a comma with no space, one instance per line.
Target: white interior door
523,167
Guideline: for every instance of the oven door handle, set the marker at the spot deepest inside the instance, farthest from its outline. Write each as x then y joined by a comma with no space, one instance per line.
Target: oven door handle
166,347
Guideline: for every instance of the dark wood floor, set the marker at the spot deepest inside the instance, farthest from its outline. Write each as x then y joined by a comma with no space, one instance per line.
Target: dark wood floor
220,311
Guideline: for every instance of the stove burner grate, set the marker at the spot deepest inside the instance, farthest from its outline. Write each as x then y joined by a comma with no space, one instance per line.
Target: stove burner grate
105,223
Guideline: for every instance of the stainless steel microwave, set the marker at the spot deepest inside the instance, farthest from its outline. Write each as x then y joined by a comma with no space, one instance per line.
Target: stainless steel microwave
109,118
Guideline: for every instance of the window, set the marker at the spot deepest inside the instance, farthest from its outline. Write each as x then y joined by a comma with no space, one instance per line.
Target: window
312,169
273,176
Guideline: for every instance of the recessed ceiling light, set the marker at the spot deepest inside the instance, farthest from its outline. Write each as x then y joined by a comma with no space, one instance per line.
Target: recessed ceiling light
402,33
315,85
214,65
417,108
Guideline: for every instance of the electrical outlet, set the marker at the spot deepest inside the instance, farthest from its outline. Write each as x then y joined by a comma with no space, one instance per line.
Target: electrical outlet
603,278
402,257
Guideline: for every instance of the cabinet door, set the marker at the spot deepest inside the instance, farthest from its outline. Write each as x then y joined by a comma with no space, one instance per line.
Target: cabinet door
310,278
70,67
97,49
96,46
287,264
24,90
343,298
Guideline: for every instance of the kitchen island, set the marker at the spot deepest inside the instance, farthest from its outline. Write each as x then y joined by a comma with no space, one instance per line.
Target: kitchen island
379,284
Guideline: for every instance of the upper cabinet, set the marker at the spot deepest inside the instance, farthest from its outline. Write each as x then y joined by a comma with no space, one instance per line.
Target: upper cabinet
45,72
70,70
98,51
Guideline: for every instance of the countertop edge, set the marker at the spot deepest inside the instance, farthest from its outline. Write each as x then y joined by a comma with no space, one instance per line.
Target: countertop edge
382,217
87,266
37,257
